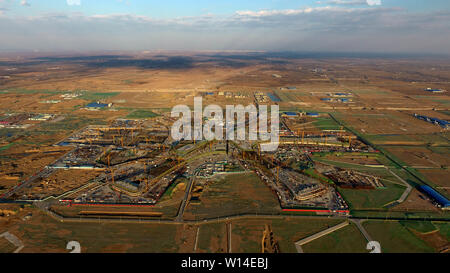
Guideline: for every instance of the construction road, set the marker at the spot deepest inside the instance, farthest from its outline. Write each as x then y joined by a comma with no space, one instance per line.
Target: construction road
183,205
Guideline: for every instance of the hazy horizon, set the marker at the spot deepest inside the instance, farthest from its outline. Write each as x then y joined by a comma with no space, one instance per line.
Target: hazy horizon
359,26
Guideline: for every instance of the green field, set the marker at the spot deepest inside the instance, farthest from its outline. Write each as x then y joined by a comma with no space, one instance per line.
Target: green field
70,123
413,215
372,199
247,234
141,114
346,240
419,226
45,234
96,96
6,147
396,238
326,123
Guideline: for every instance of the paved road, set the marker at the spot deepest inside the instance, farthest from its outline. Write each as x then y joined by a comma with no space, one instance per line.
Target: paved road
358,223
196,239
298,245
13,240
408,187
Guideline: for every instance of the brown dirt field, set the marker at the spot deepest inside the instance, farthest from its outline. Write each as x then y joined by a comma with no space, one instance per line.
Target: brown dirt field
7,184
6,246
129,79
362,160
415,203
60,182
386,122
440,178
186,236
153,99
212,238
30,164
117,248
419,156
435,240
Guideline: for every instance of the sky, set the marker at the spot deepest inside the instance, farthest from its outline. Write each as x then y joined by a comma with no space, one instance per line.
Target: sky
389,26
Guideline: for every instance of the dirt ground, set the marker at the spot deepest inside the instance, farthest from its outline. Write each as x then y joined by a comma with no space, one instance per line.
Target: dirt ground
419,156
59,182
416,202
355,159
435,240
439,178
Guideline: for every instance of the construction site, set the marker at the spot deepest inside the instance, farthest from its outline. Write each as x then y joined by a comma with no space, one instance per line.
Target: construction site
353,179
23,120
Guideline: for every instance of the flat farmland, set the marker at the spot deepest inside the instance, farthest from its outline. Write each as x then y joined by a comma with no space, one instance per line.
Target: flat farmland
212,238
372,199
396,238
152,99
355,158
419,156
43,234
440,178
385,122
415,202
434,139
247,234
346,240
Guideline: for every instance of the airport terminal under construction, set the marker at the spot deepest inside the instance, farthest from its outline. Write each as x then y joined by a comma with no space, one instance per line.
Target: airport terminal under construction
135,162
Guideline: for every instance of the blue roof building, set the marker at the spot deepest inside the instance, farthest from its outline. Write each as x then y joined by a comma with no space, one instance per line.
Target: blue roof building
434,90
341,94
290,114
312,114
443,123
441,200
96,105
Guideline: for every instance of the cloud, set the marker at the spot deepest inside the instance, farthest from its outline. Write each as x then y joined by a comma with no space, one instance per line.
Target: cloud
74,2
343,2
374,2
351,2
24,3
328,28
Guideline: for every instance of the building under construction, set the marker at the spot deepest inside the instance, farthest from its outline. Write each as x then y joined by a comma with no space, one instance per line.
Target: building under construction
354,180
